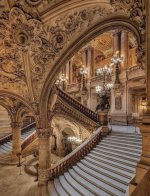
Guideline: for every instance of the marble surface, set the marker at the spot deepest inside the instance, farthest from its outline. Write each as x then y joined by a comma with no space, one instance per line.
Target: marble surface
125,129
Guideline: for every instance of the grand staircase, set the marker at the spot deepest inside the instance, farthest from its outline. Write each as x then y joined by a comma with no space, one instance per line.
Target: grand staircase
106,170
6,144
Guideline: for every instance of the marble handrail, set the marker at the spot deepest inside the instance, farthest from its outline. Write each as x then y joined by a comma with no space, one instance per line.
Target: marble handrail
23,130
28,140
76,155
78,106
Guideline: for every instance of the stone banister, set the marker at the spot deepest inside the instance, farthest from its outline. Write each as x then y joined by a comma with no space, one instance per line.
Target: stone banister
78,106
28,140
67,162
23,130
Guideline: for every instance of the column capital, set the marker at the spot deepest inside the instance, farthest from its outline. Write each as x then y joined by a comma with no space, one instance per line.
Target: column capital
45,132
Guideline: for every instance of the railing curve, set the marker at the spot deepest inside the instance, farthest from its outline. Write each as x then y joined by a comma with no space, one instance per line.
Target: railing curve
77,105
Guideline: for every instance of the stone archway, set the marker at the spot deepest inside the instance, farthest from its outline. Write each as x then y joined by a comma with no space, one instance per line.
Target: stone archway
98,29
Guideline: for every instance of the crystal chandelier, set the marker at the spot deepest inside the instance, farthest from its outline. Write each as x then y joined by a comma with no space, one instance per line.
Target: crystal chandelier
62,81
105,73
74,140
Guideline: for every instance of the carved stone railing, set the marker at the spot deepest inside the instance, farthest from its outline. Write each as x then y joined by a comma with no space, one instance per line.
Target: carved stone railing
28,140
71,159
78,106
135,71
23,130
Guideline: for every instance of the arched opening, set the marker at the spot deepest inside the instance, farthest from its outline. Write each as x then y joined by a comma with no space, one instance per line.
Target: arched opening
80,42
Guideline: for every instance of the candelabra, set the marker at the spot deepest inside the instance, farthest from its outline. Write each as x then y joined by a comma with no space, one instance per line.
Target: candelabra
116,61
84,71
73,140
103,91
62,81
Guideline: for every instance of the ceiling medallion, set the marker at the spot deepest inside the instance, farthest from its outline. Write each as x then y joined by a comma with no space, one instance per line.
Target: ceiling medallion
33,2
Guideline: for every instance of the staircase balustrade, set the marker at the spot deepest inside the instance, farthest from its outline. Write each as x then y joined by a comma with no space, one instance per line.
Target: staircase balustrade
28,140
78,106
76,155
23,130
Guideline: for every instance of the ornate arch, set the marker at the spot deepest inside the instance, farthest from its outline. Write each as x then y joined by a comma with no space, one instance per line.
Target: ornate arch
99,28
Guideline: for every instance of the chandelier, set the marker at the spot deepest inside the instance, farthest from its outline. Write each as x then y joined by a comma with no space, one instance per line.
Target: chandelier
74,140
103,91
105,74
62,81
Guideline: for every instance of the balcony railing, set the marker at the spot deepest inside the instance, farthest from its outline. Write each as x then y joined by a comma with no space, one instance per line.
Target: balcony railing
135,72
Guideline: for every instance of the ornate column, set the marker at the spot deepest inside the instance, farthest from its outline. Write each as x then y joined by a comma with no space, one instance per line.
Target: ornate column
44,154
146,119
124,49
117,41
16,142
88,59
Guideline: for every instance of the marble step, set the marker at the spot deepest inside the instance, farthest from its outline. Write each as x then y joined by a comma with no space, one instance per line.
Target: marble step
60,191
122,144
110,166
107,171
112,163
98,183
127,135
118,150
77,185
123,141
125,138
117,154
107,180
67,187
114,158
89,186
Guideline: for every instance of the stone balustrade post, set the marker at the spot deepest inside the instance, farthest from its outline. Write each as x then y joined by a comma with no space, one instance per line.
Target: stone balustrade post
44,154
16,140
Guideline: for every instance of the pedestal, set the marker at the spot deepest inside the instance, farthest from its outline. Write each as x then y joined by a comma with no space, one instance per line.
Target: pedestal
103,118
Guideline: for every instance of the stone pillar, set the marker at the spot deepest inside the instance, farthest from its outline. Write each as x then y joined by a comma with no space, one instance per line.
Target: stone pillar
117,41
60,145
16,142
146,119
124,49
44,154
88,59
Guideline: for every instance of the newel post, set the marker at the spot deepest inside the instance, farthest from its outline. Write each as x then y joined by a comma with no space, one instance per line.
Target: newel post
103,118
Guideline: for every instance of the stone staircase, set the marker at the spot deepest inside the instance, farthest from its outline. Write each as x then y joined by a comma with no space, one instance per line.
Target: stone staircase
6,148
106,170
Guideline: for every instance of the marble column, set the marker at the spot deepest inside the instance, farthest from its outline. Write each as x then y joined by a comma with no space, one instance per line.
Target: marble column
124,49
88,59
147,116
16,142
117,41
44,154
